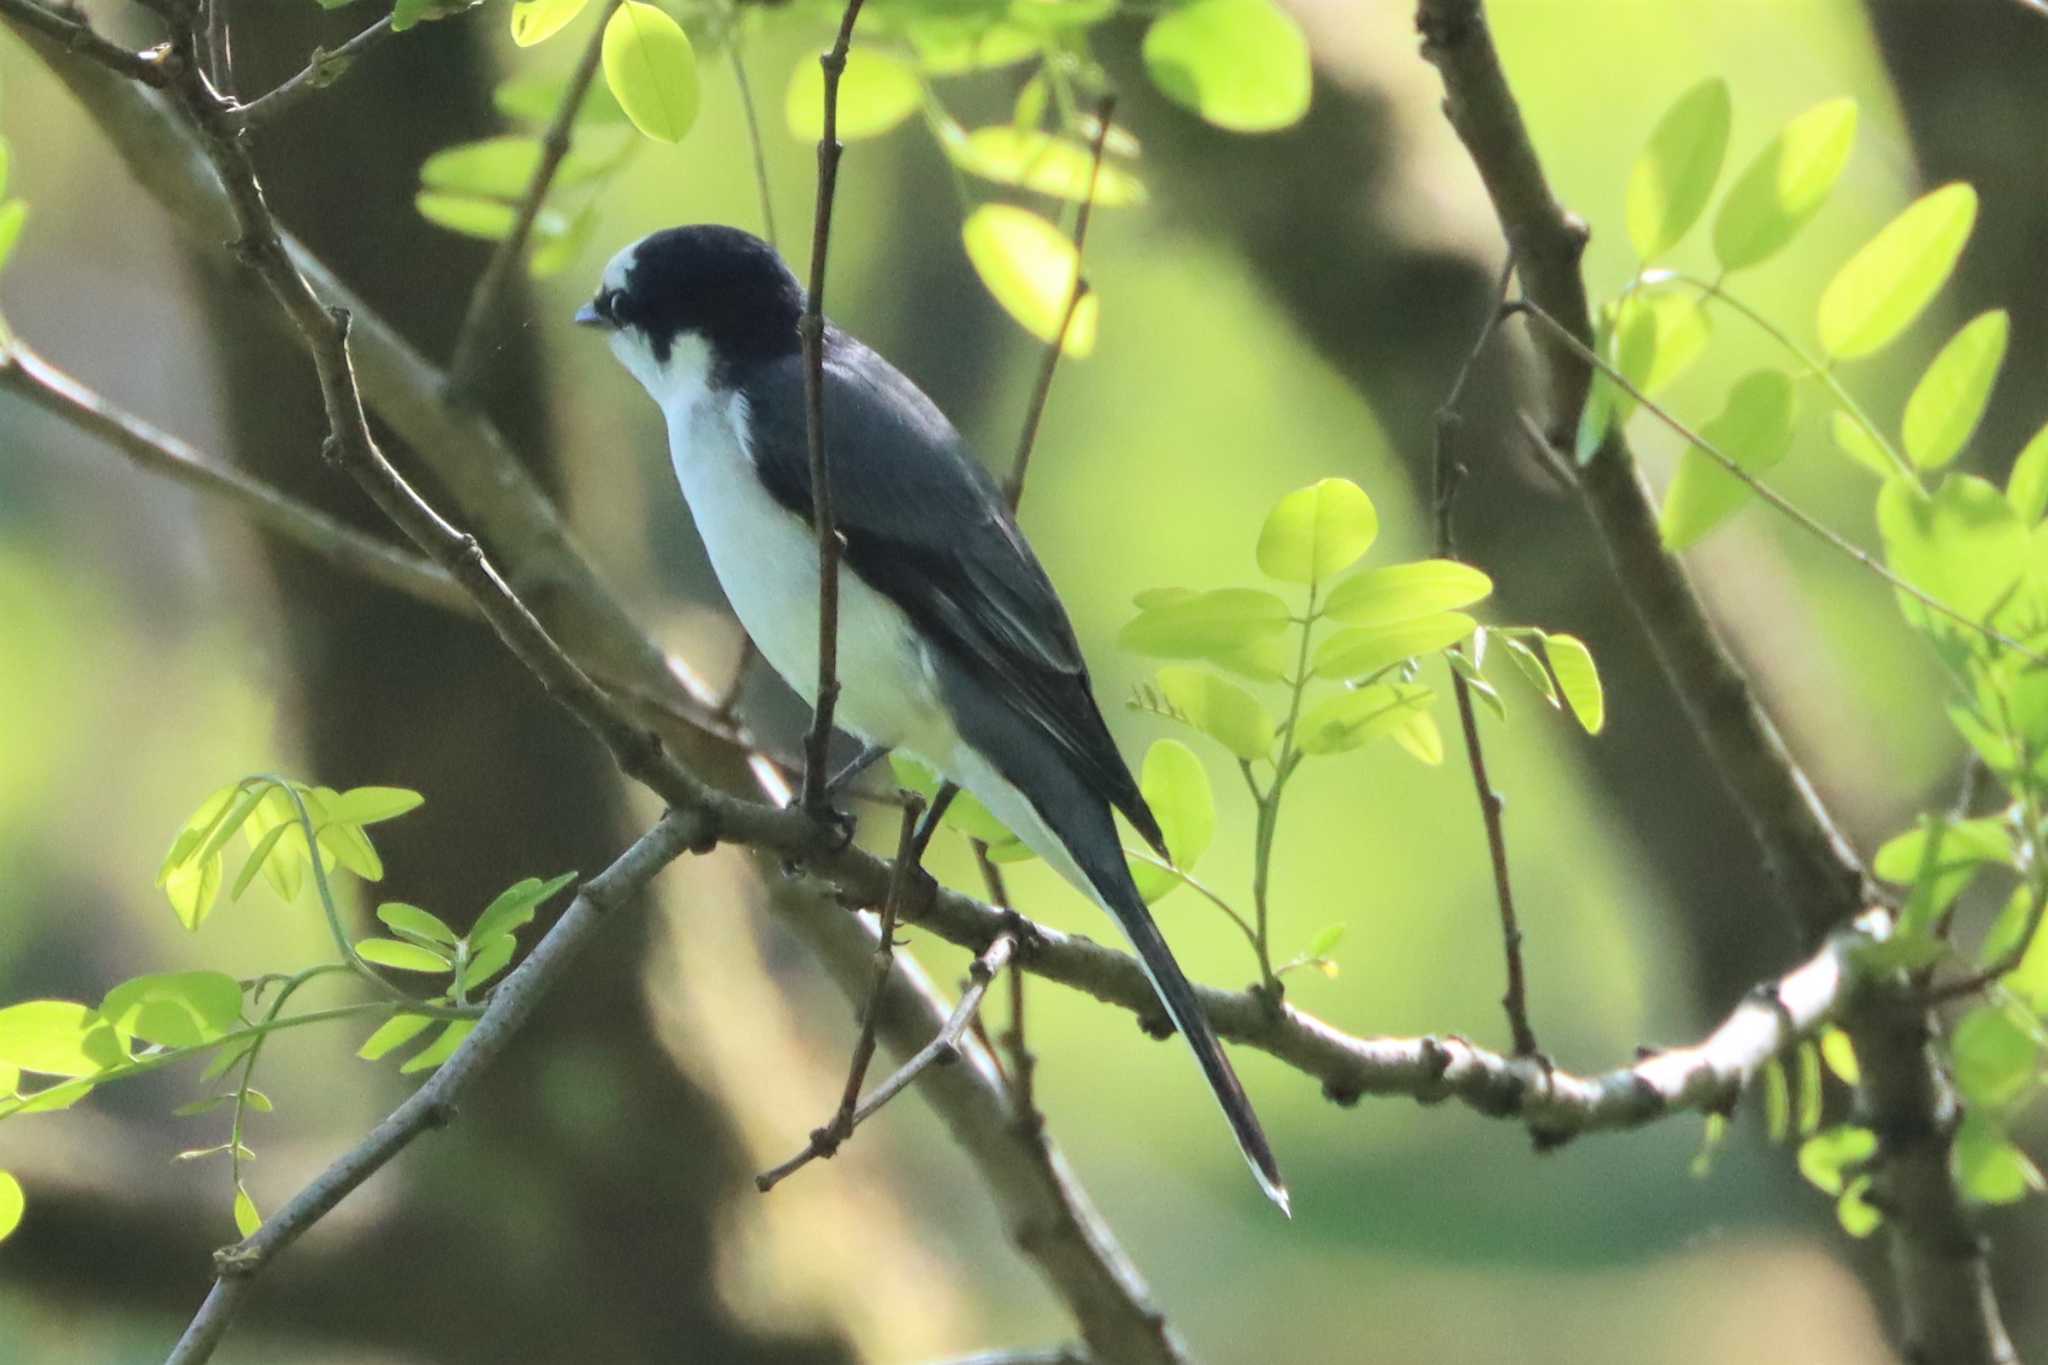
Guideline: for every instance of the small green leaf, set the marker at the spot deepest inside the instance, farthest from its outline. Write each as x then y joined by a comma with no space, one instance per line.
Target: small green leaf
1887,283
1573,665
495,168
1529,666
955,44
1317,531
877,91
1948,402
1201,625
536,21
1222,710
2027,488
1963,545
1777,1101
652,70
257,857
1464,666
1826,1157
514,907
489,219
57,1038
440,1050
1854,1211
1840,1055
1364,650
12,1204
1326,940
175,1009
1997,1050
494,958
1403,592
1041,162
1988,1167
258,1101
1239,64
1778,193
1674,177
1809,1088
1938,860
1658,335
1418,735
1352,719
416,923
1859,445
400,956
13,217
247,1220
394,1032
1176,787
1754,429
1711,1140
1029,265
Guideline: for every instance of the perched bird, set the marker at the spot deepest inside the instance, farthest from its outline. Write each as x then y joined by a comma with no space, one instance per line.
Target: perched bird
953,646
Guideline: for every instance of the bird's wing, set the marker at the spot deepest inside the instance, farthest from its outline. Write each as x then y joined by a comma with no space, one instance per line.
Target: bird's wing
926,526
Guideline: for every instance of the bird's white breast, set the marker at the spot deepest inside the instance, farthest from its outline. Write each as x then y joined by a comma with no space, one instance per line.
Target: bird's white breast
766,559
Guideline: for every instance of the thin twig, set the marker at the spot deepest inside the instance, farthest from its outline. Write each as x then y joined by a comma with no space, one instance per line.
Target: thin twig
433,1104
1778,501
219,59
24,372
1022,1065
811,330
472,342
1449,476
825,1141
322,69
1013,487
755,143
152,68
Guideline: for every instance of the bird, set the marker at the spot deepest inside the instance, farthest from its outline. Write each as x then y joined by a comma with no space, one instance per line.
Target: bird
953,646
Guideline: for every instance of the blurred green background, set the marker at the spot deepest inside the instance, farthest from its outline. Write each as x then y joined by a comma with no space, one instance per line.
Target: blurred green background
1287,307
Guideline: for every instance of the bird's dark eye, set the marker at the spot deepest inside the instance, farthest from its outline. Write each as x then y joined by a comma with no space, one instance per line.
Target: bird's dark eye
608,306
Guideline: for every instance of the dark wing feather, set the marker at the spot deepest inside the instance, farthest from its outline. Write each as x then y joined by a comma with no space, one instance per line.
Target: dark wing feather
926,526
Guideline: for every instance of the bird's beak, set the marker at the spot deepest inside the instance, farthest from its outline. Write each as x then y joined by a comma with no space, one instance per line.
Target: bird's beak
587,316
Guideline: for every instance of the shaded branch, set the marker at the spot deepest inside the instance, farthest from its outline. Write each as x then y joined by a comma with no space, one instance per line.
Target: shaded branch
322,69
24,372
485,300
74,35
433,1104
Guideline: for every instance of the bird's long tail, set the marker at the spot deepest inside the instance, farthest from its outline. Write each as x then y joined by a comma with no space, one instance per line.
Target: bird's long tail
1121,898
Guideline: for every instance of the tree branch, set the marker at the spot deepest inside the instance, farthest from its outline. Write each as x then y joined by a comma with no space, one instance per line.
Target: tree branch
24,372
811,330
75,36
1940,1266
322,69
466,361
433,1104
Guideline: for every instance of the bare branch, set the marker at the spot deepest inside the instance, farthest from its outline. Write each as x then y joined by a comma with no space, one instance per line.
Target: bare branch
472,342
1013,486
755,144
75,35
24,372
322,69
433,1104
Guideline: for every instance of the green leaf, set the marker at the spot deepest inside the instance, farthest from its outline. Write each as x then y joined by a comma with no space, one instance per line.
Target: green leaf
1777,1101
1529,666
1201,625
1658,335
1364,650
1029,266
494,167
1325,942
285,867
247,1220
1948,402
1675,175
1840,1055
12,1204
416,923
1852,440
1239,64
535,98
1754,429
52,1098
514,907
953,45
1810,1095
193,888
1222,710
489,219
1778,193
1825,1157
493,958
1854,1211
536,21
1997,1051
13,216
1938,860
258,1101
1988,1167
400,956
1887,283
1317,531
1702,1163
877,91
652,70
1466,667
1573,664
440,1050
1419,736
57,1038
1176,787
406,13
1404,592
1041,162
1352,719
394,1032
175,1009
257,857
1963,545
2027,487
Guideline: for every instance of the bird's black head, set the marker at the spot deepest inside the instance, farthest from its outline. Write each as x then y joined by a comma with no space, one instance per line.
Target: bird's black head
720,284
